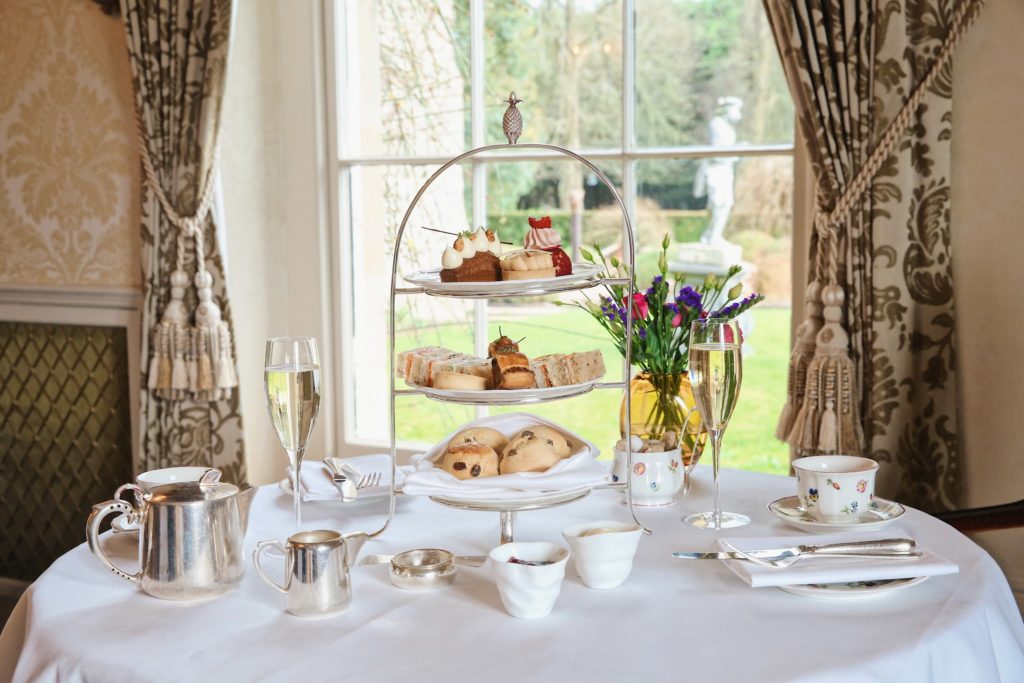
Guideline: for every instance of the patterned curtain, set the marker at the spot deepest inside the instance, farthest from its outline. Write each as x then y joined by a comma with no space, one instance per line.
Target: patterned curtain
851,66
179,51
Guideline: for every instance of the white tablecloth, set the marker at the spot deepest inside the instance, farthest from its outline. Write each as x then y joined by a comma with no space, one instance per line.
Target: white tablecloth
672,620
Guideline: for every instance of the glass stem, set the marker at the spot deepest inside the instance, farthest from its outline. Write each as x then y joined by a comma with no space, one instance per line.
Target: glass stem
716,450
295,457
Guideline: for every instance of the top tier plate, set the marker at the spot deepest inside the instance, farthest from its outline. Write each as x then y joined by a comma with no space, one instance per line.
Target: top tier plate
584,275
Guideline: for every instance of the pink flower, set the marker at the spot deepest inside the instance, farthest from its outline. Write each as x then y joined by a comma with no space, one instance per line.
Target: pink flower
677,320
640,307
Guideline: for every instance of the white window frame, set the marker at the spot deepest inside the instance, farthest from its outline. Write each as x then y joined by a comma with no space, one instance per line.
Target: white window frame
340,163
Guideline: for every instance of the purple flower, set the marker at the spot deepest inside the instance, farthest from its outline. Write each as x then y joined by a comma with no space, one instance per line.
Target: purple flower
643,333
689,297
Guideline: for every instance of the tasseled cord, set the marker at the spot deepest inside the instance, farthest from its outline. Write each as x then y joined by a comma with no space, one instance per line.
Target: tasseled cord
189,361
828,421
800,361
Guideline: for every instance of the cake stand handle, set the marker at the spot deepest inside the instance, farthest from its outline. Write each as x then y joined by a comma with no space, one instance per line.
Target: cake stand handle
508,519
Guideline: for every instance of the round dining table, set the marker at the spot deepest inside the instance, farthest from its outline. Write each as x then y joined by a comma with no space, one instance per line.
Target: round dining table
672,620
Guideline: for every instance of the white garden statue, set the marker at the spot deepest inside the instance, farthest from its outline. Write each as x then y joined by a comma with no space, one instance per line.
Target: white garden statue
716,176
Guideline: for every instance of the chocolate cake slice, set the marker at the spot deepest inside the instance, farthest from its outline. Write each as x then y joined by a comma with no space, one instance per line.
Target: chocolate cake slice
482,267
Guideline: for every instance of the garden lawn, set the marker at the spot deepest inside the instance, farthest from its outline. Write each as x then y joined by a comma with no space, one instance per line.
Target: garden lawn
748,443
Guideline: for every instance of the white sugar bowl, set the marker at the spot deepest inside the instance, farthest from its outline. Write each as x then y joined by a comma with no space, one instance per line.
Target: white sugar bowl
603,551
528,590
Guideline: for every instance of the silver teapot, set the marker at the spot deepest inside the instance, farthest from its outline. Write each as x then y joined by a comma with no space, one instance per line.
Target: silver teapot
190,537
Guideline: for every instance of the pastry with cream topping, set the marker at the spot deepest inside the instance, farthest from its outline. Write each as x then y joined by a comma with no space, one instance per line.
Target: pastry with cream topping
526,264
542,236
473,257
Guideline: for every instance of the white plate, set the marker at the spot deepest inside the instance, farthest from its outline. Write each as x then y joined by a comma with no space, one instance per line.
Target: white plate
880,513
854,590
583,275
375,494
503,397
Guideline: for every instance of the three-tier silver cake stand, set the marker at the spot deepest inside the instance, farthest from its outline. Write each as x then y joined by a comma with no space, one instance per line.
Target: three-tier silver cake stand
512,127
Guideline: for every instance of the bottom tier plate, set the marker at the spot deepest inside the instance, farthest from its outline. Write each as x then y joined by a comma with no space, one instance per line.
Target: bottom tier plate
538,502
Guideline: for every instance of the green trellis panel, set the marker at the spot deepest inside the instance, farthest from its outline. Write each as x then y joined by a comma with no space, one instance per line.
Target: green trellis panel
65,436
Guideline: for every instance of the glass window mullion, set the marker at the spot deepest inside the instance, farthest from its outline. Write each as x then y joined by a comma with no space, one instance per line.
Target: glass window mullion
479,174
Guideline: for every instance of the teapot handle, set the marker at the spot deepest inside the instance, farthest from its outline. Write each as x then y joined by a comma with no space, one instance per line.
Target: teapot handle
92,533
260,547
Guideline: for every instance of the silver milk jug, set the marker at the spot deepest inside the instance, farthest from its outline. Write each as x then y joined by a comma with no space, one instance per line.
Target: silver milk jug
190,537
316,574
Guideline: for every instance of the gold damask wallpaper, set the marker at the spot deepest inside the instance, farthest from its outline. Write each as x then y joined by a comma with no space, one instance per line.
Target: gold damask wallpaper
69,167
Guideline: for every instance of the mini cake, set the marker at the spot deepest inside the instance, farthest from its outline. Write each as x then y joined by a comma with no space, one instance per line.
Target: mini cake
485,435
528,452
472,258
543,236
470,461
526,264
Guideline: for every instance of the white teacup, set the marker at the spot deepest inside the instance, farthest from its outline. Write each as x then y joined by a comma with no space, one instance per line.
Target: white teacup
148,481
169,475
656,477
529,592
604,559
835,488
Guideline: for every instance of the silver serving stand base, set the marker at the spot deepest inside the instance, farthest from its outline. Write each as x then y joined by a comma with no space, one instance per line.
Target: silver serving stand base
507,509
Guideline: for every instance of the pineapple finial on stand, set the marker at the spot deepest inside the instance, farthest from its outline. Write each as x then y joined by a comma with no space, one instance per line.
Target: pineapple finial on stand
512,122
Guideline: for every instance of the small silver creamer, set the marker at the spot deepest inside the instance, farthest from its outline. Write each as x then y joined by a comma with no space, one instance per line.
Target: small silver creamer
190,537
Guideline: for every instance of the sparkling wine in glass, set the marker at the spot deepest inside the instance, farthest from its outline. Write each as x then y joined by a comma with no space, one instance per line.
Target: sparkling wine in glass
716,372
291,379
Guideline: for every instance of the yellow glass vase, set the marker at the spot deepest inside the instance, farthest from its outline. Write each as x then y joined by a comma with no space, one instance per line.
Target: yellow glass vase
660,403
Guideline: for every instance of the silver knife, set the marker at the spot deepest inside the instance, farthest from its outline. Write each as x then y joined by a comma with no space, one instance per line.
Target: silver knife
890,547
766,554
345,486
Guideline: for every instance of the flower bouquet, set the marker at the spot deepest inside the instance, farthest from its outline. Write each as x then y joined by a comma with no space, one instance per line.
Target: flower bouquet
662,313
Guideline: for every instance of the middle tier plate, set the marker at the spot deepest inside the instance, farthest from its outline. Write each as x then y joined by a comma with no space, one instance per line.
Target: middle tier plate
583,275
505,397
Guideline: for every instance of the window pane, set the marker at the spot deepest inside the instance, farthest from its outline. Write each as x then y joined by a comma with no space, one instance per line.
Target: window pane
696,61
518,190
671,199
408,73
380,196
564,58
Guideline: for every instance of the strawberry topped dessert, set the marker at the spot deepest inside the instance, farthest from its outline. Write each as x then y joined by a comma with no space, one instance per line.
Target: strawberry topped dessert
543,236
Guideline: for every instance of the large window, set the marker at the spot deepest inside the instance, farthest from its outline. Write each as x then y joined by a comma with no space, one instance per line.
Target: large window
661,94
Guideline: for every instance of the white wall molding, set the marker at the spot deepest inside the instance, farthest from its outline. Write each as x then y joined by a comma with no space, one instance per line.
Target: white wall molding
116,298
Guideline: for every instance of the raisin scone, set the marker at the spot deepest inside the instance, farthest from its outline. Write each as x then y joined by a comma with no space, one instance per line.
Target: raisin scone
529,452
485,435
470,461
562,444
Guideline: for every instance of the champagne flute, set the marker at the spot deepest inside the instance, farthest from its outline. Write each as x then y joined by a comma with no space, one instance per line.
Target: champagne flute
291,379
716,372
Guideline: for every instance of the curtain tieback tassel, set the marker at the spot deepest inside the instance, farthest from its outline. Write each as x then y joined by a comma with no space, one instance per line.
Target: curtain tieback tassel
799,361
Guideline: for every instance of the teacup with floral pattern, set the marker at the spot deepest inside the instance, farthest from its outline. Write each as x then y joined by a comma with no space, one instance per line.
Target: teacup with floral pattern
835,488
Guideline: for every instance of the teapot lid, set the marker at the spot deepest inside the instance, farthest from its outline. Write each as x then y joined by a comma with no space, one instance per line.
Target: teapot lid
209,487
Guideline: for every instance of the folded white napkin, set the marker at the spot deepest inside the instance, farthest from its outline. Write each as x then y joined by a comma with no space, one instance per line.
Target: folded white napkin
579,471
316,482
831,569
